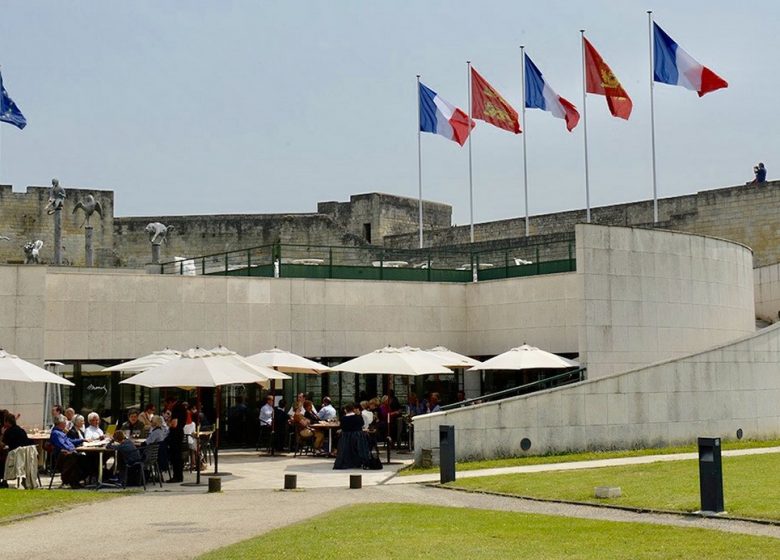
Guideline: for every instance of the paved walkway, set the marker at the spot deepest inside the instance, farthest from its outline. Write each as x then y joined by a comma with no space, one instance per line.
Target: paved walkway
182,522
575,465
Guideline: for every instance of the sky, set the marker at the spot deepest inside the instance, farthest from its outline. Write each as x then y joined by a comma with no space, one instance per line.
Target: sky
264,107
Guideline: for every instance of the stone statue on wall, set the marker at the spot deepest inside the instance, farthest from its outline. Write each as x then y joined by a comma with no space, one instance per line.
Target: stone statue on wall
56,197
158,232
32,251
90,207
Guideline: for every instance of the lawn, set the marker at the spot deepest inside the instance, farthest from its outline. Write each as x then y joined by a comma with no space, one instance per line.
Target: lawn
750,485
585,456
14,503
406,532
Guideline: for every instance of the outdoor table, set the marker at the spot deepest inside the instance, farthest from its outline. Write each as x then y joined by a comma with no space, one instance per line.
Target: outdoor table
330,426
100,447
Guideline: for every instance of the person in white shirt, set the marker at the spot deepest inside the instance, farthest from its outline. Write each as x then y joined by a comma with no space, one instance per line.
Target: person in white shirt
297,406
368,416
327,413
93,431
267,412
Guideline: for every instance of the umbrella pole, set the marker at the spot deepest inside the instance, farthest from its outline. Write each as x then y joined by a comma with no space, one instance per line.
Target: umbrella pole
197,446
273,418
216,433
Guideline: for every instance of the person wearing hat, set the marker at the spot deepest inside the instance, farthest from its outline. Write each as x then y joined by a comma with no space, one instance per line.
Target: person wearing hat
327,412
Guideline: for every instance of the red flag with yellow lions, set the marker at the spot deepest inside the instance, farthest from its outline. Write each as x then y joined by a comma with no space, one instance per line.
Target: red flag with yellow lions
488,105
600,79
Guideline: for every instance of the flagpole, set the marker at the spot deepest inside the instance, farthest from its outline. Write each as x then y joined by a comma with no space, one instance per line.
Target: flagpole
585,127
652,114
525,132
419,159
471,174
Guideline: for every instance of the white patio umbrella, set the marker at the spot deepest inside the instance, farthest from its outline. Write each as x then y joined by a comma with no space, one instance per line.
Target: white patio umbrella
287,362
156,358
395,361
13,368
526,357
282,360
453,359
198,368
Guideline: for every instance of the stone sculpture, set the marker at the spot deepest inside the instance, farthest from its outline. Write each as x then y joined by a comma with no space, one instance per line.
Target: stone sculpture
56,197
4,238
157,232
90,207
32,251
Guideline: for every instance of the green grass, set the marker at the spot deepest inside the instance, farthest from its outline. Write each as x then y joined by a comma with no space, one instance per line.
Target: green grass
584,456
407,532
750,485
14,503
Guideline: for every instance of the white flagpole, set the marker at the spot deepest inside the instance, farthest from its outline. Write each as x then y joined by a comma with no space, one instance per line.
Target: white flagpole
471,175
585,127
652,114
419,159
525,131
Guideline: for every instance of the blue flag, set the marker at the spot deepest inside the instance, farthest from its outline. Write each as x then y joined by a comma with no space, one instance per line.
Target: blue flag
9,112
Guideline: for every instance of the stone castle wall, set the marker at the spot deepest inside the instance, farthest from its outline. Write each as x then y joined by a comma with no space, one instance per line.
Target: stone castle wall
747,214
23,218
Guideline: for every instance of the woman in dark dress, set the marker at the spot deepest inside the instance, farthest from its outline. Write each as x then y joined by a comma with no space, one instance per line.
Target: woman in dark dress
353,450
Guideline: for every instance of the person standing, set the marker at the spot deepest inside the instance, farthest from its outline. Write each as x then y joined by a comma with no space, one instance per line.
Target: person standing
175,438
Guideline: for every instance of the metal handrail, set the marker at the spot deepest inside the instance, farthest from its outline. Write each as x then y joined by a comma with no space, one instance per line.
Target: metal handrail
566,378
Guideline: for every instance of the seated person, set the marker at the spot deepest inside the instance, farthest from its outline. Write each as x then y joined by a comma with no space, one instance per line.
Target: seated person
93,431
72,465
127,454
77,431
133,427
146,417
14,436
313,418
157,435
327,413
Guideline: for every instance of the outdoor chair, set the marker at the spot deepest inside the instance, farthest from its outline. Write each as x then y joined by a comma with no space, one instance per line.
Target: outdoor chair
125,473
151,463
303,446
54,468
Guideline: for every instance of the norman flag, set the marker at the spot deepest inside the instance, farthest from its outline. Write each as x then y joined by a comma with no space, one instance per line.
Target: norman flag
488,105
599,79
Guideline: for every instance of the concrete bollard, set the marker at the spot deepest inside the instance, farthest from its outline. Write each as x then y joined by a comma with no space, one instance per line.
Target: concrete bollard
290,481
355,481
215,484
606,492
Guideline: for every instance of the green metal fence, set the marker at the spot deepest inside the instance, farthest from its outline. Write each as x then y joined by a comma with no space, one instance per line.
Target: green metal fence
381,263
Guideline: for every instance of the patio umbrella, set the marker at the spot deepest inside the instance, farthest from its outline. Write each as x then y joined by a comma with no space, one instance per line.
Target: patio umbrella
453,359
287,362
282,360
526,357
13,368
156,358
395,361
198,367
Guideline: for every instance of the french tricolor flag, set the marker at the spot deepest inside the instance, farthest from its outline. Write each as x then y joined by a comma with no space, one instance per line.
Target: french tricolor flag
539,95
440,117
672,65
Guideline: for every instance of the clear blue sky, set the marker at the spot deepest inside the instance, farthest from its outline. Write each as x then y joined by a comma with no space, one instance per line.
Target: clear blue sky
227,106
